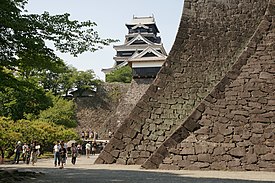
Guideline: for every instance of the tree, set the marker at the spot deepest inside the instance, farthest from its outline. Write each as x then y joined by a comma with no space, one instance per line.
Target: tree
24,53
62,112
45,133
123,75
22,39
21,99
64,82
67,80
86,80
24,35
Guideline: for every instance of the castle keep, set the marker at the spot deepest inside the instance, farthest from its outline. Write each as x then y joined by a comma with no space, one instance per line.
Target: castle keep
142,50
212,105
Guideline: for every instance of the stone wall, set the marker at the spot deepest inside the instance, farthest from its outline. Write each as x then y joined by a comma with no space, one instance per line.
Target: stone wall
110,106
236,120
126,104
213,36
92,112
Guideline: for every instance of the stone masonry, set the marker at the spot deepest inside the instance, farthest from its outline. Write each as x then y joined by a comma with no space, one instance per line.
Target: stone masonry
212,104
92,111
127,102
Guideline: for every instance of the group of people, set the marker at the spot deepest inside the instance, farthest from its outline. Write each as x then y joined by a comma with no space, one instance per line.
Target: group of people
60,152
89,134
29,152
90,148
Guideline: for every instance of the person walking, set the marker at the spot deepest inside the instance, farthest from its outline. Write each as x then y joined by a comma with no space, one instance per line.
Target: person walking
93,148
24,152
17,151
79,150
34,152
74,153
63,153
88,149
83,135
56,153
28,155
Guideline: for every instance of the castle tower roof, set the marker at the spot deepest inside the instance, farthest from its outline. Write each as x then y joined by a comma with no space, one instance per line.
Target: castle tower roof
142,22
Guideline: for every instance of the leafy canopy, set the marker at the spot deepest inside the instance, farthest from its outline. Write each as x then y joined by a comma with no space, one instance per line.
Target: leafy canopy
123,75
62,112
44,133
23,36
28,67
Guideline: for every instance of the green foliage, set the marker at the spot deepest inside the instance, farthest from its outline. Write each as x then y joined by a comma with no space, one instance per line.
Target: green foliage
67,80
24,35
29,69
62,112
70,78
45,133
84,79
24,55
21,99
123,75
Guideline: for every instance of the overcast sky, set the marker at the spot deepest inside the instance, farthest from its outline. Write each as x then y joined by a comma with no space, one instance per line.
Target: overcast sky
111,17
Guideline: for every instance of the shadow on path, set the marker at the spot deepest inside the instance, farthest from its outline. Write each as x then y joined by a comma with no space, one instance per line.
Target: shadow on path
79,175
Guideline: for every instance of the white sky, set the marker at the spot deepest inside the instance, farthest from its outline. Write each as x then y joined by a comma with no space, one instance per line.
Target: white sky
111,17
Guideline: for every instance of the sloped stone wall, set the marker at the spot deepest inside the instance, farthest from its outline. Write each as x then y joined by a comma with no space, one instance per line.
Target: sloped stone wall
92,112
110,106
126,104
211,37
237,119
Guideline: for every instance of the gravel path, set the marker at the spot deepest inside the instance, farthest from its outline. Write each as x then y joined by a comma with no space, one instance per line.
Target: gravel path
86,171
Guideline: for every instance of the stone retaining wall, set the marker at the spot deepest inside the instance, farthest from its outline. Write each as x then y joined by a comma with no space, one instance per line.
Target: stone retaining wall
93,111
236,120
212,37
127,102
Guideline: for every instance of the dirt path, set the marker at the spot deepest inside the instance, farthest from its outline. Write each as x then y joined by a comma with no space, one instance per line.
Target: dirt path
86,171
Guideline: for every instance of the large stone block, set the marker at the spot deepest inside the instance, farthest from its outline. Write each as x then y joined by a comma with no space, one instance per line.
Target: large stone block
184,163
163,151
204,158
149,165
268,157
192,158
180,135
108,158
157,158
191,124
121,161
134,154
218,165
235,163
99,160
201,148
252,167
170,143
188,151
238,152
115,153
219,151
261,149
266,164
218,138
117,143
140,161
